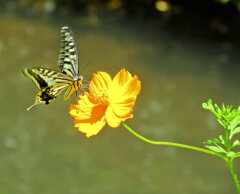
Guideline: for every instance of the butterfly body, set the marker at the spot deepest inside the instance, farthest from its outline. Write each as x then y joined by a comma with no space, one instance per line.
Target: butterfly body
52,82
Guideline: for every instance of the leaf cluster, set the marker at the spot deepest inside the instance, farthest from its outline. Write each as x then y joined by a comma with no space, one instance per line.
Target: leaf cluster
229,119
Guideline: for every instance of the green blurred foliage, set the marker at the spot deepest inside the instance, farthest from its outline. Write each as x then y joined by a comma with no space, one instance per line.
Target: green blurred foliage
234,2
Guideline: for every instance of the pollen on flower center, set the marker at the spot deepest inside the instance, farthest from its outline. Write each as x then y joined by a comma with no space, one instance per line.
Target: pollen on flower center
101,96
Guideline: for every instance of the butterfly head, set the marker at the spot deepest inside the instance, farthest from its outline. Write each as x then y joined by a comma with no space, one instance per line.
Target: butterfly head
78,77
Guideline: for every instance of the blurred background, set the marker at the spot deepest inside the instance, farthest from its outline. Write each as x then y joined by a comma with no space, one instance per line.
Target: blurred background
184,52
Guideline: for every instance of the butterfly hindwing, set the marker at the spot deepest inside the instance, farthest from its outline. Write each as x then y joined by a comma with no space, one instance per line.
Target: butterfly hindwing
68,57
46,95
50,82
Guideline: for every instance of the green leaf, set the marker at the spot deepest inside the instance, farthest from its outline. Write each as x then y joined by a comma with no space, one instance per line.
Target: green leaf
208,142
231,154
221,122
209,102
216,107
205,106
219,111
222,139
235,131
216,149
209,106
234,113
212,141
235,122
223,108
237,154
236,143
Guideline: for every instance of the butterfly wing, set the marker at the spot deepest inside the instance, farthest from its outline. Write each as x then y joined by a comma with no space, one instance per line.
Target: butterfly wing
50,82
48,94
43,77
68,57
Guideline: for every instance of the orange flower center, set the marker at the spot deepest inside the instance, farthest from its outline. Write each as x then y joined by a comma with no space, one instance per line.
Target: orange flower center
101,96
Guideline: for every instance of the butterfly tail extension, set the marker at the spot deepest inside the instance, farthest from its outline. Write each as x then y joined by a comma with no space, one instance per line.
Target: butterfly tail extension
43,97
35,103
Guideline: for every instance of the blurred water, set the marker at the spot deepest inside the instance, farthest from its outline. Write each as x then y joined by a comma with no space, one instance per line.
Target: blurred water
41,151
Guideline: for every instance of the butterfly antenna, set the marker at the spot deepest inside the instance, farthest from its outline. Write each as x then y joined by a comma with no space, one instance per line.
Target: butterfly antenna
84,68
35,103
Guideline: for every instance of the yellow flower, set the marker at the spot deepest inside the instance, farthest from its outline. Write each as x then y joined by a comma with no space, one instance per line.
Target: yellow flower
109,101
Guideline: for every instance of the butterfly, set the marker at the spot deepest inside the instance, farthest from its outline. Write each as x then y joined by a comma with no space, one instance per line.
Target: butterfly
52,82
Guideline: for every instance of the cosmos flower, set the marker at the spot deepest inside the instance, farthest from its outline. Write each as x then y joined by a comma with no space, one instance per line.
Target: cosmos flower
108,101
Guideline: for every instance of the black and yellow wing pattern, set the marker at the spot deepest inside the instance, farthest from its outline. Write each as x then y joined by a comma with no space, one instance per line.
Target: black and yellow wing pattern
68,56
52,82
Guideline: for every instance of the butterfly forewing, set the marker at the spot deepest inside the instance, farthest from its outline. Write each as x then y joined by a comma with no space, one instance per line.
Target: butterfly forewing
43,77
68,58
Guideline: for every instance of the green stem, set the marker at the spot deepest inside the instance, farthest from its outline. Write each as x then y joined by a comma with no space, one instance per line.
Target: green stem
234,175
228,160
172,144
228,146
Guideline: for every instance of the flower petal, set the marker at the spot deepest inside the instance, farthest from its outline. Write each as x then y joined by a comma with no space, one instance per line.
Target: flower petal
101,81
89,117
122,77
90,128
122,109
113,120
83,110
123,93
130,87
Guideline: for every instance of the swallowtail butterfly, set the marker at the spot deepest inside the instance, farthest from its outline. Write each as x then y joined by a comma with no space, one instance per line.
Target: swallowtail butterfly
52,82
